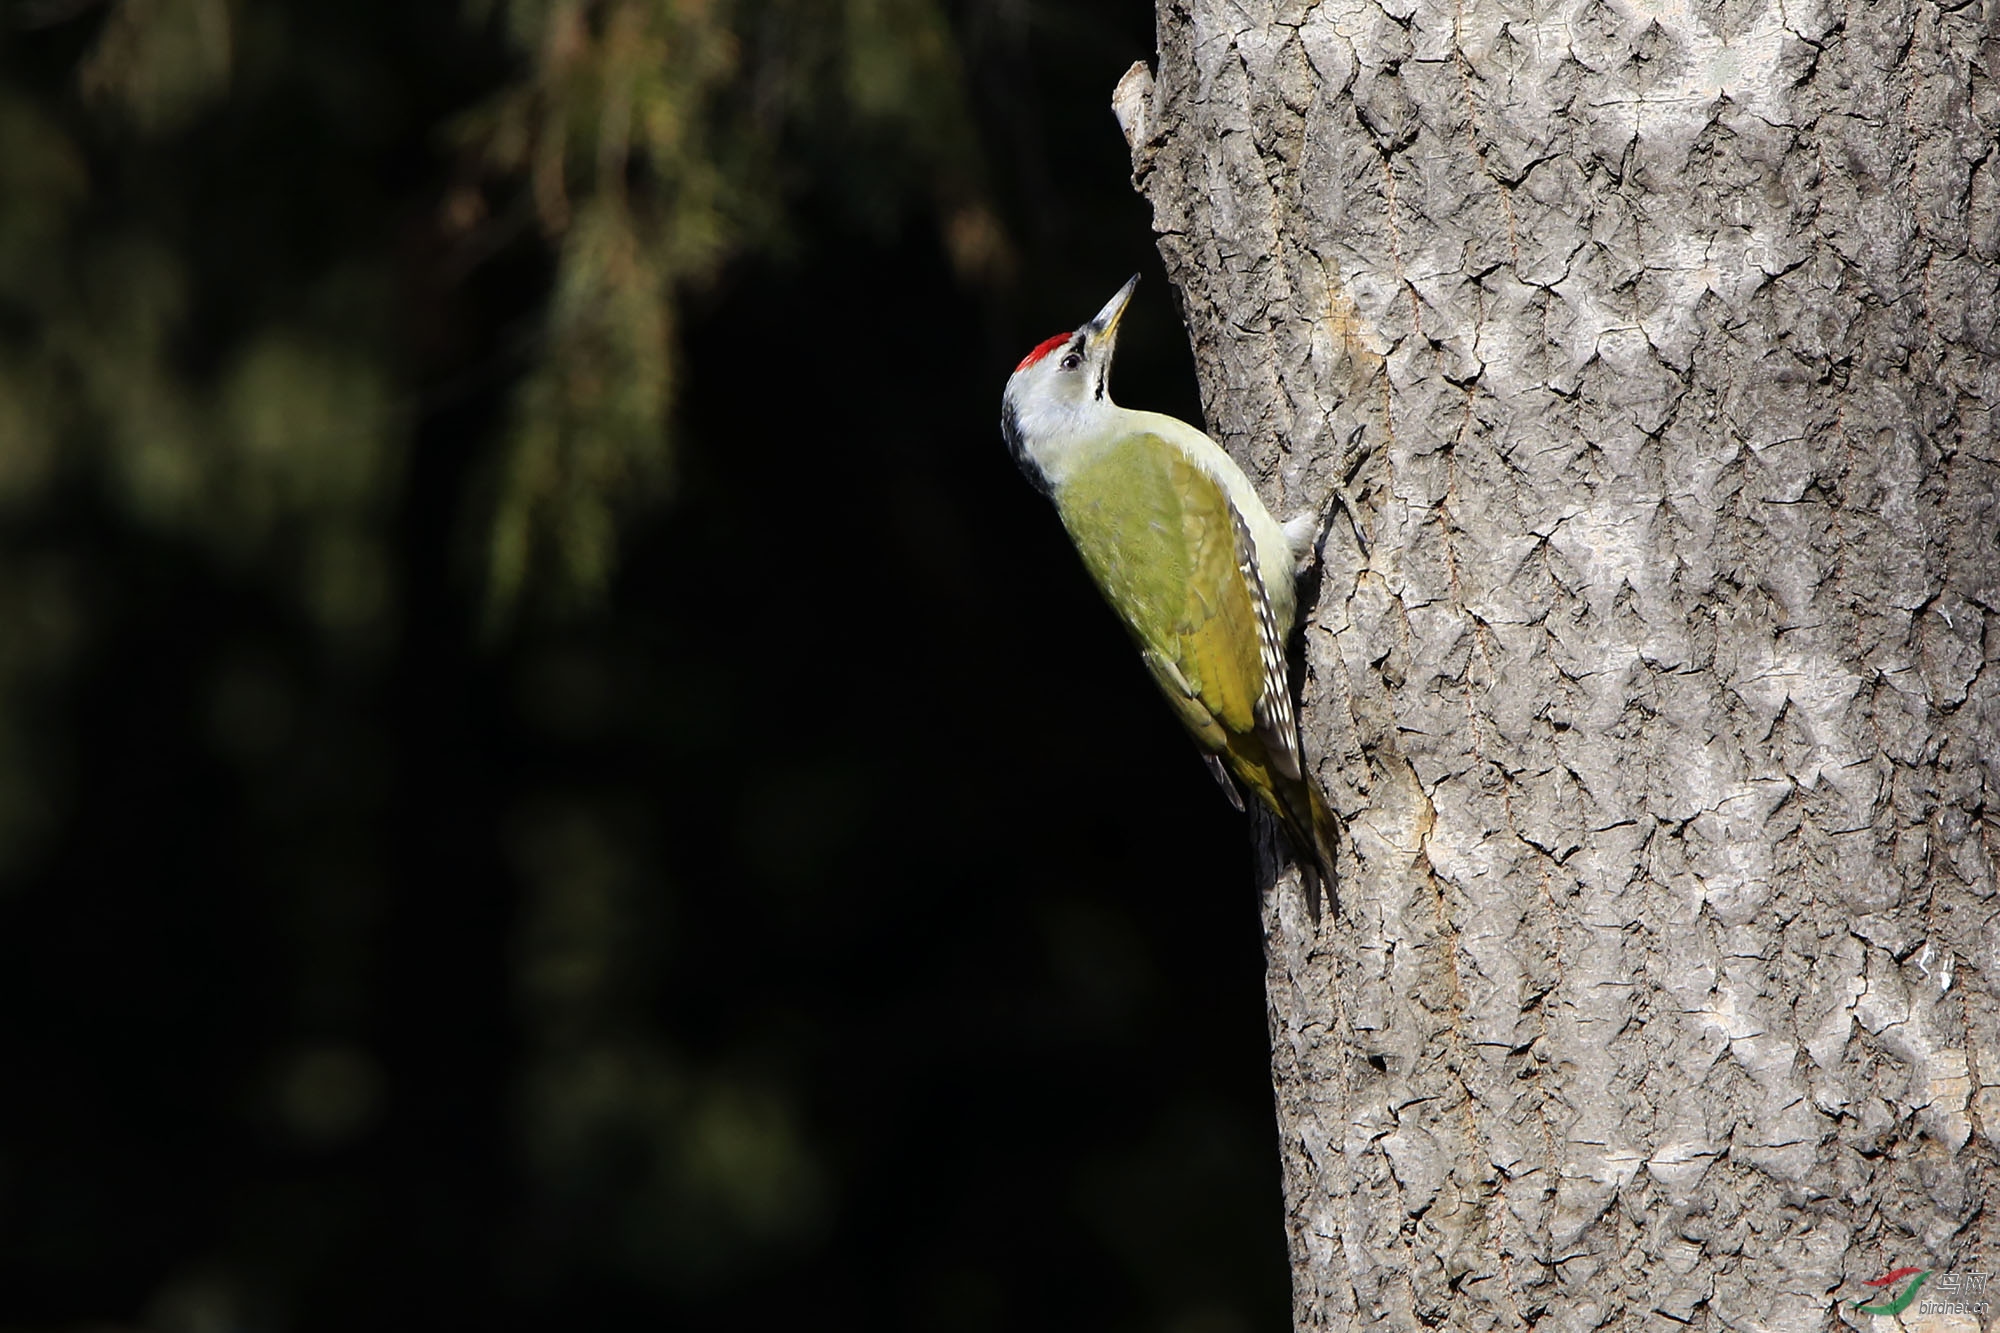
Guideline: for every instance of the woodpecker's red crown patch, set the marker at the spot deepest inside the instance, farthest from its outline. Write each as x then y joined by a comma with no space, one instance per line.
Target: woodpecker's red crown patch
1041,350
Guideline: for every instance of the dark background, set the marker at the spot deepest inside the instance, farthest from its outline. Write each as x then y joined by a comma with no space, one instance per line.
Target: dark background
806,914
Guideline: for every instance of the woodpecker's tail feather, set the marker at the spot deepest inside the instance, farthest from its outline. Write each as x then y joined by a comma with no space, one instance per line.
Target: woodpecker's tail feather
1325,839
1311,829
1314,832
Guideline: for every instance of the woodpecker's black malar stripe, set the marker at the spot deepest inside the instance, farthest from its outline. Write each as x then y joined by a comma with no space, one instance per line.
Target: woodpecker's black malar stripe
1010,431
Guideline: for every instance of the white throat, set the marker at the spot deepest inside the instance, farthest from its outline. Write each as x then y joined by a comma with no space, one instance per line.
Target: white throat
1057,431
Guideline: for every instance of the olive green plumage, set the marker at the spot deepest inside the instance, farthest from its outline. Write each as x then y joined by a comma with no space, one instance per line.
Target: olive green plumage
1168,550
1186,553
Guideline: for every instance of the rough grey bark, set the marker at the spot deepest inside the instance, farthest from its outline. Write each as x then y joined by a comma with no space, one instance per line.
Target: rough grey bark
1663,706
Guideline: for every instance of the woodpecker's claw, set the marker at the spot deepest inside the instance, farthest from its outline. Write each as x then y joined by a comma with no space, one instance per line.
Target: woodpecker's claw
1307,533
1341,498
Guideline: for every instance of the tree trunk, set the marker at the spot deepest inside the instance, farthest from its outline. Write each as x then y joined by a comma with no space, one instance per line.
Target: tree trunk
1664,335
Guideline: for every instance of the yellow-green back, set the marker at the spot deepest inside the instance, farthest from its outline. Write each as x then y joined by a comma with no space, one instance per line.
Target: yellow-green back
1176,560
1161,540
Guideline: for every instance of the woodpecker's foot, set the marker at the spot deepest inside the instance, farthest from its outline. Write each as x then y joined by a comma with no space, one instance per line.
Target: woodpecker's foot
1307,533
1342,499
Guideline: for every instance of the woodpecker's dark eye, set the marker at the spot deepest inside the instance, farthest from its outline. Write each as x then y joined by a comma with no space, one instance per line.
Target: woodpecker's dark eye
1072,361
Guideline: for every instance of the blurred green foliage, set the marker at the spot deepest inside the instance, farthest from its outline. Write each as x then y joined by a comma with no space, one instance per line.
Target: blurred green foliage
646,141
655,136
389,817
270,421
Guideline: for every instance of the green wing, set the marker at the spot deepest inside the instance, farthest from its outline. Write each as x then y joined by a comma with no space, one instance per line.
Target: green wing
1176,560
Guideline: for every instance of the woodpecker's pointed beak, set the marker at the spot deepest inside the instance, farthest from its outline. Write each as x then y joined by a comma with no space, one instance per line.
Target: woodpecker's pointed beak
1104,328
